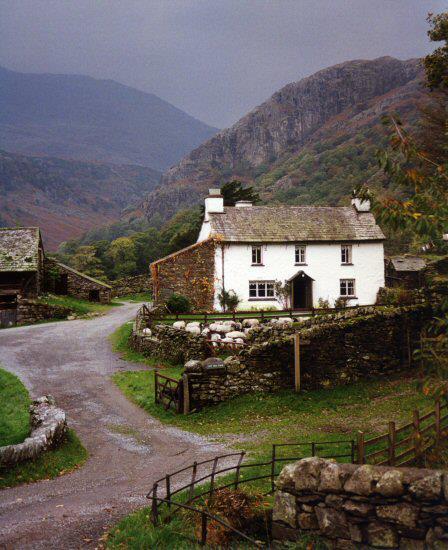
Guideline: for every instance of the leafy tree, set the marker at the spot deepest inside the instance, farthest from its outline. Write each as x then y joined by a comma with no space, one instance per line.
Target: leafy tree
123,256
283,293
233,191
436,63
228,300
86,261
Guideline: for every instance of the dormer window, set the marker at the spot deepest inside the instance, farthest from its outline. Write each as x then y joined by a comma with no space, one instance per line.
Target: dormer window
300,254
346,254
256,255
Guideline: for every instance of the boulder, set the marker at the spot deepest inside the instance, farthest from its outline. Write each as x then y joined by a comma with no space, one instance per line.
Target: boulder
249,323
193,329
147,331
402,513
308,521
379,534
179,324
284,508
363,480
285,321
239,340
286,477
235,334
330,478
390,484
427,488
332,523
227,340
215,337
307,472
205,332
192,324
193,366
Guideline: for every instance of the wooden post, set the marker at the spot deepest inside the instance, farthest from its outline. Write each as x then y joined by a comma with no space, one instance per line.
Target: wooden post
417,437
273,468
238,467
156,383
297,362
186,394
193,479
155,511
168,489
392,438
437,413
203,529
361,448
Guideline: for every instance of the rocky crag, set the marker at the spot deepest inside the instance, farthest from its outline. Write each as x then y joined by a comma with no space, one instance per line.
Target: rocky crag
338,102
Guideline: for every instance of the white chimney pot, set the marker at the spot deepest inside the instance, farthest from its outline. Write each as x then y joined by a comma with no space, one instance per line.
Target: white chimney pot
361,205
243,204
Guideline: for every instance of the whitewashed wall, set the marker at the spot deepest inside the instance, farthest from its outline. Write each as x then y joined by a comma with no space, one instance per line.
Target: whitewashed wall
323,265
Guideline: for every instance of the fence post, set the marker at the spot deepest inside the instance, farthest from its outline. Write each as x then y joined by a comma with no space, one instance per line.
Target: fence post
297,362
238,466
193,479
155,510
186,394
437,414
313,449
417,437
361,448
352,451
273,467
168,489
156,386
392,442
203,529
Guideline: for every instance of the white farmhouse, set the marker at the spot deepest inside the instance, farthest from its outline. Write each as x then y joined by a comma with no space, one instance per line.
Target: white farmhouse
324,252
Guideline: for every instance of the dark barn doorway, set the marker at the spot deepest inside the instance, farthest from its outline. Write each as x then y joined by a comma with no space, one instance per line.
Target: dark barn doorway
94,295
301,291
61,285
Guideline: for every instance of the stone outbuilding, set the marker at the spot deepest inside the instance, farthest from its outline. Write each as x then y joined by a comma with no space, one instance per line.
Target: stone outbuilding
21,269
64,280
405,271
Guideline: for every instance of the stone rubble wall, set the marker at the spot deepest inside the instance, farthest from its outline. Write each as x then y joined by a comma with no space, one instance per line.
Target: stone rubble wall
30,312
353,506
334,351
190,272
131,285
48,428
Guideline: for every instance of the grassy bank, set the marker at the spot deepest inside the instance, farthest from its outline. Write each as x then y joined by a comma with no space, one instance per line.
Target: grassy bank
14,409
15,427
79,307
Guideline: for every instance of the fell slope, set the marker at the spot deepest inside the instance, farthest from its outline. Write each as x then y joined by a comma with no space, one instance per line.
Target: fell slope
66,198
79,117
277,145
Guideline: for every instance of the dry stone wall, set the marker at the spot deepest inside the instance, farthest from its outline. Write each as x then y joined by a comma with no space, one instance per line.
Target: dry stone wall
131,285
48,428
30,312
354,506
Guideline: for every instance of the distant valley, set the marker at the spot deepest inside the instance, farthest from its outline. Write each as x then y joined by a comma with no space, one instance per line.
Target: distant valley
66,198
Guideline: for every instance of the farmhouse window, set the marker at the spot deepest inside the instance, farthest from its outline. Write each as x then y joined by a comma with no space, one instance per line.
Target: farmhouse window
346,254
348,288
256,255
261,289
300,254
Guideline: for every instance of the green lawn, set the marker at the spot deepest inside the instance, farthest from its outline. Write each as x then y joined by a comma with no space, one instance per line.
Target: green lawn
14,409
67,457
79,307
15,427
139,297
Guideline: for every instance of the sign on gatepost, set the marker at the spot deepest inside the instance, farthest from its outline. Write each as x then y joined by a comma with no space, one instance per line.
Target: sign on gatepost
297,362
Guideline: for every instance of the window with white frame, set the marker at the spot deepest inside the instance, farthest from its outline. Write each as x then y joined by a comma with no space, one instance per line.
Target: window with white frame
256,255
347,288
261,290
346,254
300,254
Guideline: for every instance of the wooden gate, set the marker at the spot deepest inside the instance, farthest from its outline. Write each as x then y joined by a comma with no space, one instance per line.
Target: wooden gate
8,310
168,392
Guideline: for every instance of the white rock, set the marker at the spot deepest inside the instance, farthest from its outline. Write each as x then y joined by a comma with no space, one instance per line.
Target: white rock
273,321
179,324
205,332
229,322
147,331
247,330
250,322
214,327
285,320
193,330
239,340
227,340
194,324
215,337
236,334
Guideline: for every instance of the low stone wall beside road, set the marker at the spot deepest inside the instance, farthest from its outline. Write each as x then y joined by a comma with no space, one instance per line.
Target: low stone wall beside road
48,428
355,506
30,311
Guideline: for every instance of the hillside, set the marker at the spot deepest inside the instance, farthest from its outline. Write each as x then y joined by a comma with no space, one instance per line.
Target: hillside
308,144
78,117
66,198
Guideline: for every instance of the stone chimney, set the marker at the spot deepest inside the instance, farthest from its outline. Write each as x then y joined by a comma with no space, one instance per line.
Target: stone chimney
214,203
361,205
243,204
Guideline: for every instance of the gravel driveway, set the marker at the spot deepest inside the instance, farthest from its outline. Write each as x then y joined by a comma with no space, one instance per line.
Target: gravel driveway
73,361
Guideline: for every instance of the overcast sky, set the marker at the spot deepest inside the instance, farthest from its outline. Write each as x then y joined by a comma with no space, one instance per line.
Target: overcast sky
215,59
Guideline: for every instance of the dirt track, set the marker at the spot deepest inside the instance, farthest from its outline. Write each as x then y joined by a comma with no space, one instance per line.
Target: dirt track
73,361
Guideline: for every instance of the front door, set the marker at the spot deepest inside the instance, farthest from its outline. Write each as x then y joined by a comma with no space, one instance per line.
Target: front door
302,292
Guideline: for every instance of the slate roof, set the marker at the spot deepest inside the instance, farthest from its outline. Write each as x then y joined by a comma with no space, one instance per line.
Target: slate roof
294,223
83,275
19,249
408,263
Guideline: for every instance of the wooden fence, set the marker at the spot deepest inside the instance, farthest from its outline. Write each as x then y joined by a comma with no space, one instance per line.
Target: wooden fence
168,392
402,445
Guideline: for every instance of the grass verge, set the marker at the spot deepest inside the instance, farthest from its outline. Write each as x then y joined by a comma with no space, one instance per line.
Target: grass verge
53,463
79,307
138,297
14,409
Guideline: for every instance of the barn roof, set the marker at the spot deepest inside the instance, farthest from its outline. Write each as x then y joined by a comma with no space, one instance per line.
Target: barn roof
294,223
408,263
19,248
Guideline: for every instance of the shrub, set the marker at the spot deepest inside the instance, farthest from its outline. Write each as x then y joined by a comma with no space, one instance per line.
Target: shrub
340,302
177,303
321,303
228,300
396,296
